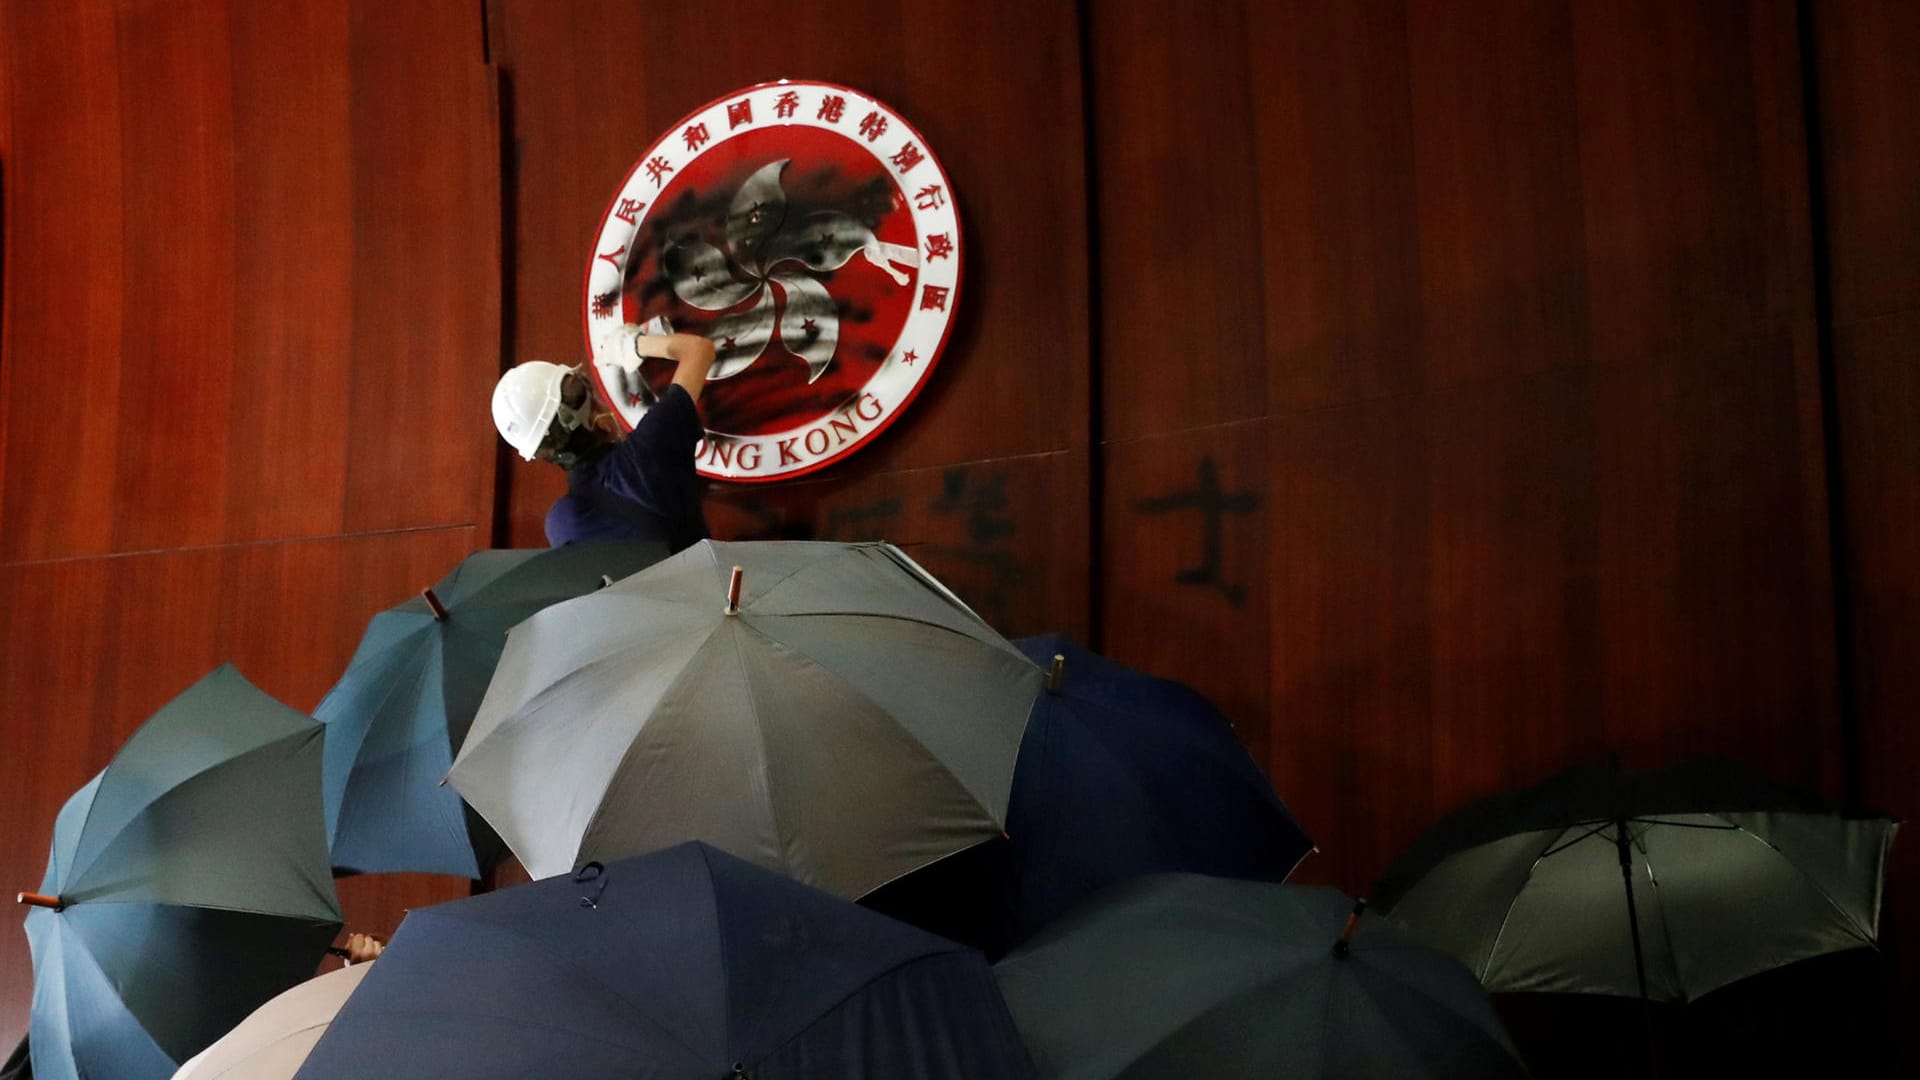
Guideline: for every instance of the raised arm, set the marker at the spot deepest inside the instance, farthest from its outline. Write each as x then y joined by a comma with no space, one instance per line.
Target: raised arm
692,354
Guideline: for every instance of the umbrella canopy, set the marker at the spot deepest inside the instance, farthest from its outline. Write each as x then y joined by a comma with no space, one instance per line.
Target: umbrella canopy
272,1043
192,884
1179,976
686,963
1665,884
1120,774
407,699
848,722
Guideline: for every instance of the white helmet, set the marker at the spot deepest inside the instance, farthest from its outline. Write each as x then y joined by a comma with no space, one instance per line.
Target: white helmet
525,401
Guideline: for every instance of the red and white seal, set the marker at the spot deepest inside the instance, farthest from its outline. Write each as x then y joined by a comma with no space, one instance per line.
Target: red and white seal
809,231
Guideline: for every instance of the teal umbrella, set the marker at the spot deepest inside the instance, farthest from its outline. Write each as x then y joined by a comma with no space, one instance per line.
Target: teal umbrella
401,710
187,884
1175,976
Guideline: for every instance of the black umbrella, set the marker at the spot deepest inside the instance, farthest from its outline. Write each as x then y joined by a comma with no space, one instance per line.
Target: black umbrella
188,883
1175,976
1665,884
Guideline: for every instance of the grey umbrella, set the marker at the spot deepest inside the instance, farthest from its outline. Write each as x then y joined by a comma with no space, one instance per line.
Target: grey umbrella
1663,884
188,883
848,720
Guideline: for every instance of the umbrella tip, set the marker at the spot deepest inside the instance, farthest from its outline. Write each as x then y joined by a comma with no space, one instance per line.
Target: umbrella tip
606,581
34,899
733,591
1057,674
433,602
1345,945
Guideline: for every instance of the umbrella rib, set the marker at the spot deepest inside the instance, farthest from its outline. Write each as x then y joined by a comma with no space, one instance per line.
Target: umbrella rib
1515,899
1598,828
759,729
566,962
76,872
1666,930
1865,936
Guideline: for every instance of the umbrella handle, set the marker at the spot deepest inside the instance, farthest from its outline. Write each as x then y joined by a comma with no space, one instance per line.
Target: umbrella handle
34,899
1345,944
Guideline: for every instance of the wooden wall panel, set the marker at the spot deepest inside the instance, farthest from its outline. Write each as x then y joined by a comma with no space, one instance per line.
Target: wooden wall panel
94,646
1870,169
1179,271
1870,154
426,283
64,274
176,349
293,270
1543,398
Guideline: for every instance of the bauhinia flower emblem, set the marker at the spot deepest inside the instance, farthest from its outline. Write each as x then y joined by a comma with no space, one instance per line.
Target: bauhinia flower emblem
770,259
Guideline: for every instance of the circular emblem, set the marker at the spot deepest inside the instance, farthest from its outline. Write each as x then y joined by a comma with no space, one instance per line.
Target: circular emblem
810,232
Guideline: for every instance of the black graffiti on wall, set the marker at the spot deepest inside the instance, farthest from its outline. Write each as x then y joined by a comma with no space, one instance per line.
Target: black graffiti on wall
1213,505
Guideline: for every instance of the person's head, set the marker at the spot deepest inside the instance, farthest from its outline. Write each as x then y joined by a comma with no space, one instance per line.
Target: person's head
548,411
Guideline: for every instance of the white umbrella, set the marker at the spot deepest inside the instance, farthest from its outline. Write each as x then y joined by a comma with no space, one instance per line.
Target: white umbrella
274,1041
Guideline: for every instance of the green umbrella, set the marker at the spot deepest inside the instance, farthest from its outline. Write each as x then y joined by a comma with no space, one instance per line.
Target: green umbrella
1176,976
188,883
404,704
846,721
1664,884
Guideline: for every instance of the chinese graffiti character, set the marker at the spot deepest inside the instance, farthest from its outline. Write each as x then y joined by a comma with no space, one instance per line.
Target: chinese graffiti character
657,170
931,197
739,112
984,504
787,103
696,136
873,126
831,107
865,522
1213,505
939,246
907,157
603,303
933,298
613,257
629,210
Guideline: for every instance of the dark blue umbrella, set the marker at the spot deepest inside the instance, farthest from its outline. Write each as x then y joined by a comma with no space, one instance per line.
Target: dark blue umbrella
684,963
403,707
187,884
1120,774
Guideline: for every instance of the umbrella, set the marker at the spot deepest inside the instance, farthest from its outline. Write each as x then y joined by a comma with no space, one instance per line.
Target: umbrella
686,963
1120,774
405,702
1665,884
1178,976
188,883
846,721
271,1043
